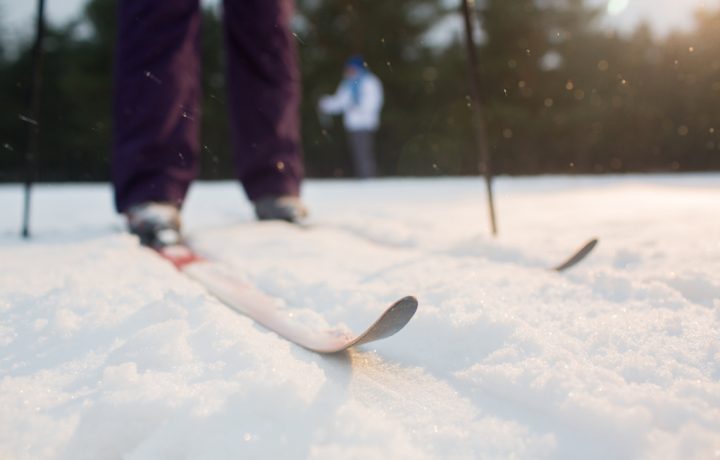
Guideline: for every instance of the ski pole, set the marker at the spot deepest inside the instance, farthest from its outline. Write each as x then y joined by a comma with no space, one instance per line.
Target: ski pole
480,131
32,116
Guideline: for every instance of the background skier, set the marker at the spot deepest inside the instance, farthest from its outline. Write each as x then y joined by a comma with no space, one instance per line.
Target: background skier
359,98
157,110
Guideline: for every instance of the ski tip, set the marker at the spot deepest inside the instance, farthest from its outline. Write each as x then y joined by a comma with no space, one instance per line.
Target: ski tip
579,255
405,307
401,312
390,322
408,302
589,246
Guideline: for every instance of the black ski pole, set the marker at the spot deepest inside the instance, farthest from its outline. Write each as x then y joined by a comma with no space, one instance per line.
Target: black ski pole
32,116
479,120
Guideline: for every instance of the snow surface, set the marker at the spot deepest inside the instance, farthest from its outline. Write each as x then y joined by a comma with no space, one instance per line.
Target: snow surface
106,352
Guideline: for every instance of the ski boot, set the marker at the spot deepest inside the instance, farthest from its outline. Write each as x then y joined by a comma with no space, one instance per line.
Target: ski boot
158,227
156,224
285,207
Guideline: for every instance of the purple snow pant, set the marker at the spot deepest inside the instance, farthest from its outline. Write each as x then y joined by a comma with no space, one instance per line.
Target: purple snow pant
157,99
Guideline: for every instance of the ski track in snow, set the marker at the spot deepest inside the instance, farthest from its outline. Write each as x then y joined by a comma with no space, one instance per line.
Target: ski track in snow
107,352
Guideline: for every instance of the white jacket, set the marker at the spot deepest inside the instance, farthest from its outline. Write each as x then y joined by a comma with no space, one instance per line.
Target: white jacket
362,116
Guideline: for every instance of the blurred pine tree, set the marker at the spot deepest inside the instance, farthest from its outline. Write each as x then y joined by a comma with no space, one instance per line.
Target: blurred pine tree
562,94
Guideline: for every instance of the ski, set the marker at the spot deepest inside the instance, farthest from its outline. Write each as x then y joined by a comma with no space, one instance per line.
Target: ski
240,295
577,257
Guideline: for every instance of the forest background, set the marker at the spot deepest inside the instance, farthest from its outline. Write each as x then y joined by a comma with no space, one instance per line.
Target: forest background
561,94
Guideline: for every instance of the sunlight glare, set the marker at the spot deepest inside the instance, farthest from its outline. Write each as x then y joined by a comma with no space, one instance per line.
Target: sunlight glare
617,6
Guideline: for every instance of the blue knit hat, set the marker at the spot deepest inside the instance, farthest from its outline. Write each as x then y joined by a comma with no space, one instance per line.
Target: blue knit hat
356,62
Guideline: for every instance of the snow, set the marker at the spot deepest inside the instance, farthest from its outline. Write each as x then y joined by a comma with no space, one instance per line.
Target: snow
108,352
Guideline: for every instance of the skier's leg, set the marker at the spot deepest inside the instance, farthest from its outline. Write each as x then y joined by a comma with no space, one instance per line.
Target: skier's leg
361,147
157,97
264,96
369,152
352,144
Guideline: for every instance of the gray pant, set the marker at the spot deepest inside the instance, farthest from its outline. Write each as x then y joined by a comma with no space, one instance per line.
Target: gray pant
362,146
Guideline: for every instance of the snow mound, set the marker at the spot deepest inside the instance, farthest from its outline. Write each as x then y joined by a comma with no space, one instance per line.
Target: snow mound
108,352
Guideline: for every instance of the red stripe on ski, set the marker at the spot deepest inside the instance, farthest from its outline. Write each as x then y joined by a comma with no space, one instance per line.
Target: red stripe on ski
178,255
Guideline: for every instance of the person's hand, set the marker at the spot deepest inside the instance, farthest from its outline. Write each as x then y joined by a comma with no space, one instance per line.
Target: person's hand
323,102
323,113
